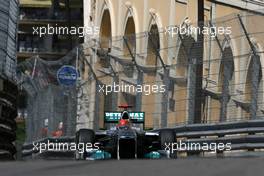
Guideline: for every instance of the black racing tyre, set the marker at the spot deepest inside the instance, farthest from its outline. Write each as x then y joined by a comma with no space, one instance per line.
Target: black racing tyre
10,123
140,146
8,112
167,136
7,135
113,143
84,136
8,147
6,156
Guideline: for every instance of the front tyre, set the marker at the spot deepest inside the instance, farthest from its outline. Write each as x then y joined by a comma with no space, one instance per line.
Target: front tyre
140,146
85,136
167,137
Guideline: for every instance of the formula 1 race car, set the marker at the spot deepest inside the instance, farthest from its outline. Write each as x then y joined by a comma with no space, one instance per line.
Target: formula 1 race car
125,140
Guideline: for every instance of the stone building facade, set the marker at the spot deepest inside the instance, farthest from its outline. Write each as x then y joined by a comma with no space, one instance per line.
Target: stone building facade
134,48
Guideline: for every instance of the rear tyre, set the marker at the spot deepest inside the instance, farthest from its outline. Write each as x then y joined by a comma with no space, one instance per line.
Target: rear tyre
84,136
167,137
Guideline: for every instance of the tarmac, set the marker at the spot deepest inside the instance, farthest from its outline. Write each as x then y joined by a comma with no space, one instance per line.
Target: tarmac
245,166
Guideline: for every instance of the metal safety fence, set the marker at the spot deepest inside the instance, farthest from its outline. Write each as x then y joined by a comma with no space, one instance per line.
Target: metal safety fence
211,72
49,107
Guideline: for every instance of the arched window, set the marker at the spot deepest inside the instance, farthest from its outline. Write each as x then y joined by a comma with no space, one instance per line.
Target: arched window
184,55
153,46
105,38
130,36
105,30
227,85
253,88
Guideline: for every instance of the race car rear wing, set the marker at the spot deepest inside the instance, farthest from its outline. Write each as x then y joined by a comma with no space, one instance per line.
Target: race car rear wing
114,117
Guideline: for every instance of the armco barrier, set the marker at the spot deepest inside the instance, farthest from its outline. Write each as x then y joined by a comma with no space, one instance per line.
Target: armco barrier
242,135
28,151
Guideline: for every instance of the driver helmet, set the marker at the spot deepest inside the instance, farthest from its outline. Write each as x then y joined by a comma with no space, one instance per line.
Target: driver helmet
124,119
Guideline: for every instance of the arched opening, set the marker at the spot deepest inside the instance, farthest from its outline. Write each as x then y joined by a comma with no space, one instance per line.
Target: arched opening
227,85
183,56
151,110
153,46
253,87
178,91
226,67
130,36
105,40
105,102
106,30
128,70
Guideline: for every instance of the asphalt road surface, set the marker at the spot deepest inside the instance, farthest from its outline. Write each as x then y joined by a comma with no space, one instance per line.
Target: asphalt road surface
179,167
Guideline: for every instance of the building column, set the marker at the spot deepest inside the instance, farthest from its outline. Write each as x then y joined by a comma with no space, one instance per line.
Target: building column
165,95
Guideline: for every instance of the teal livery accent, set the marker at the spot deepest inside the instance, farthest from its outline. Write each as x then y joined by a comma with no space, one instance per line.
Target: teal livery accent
99,155
153,155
